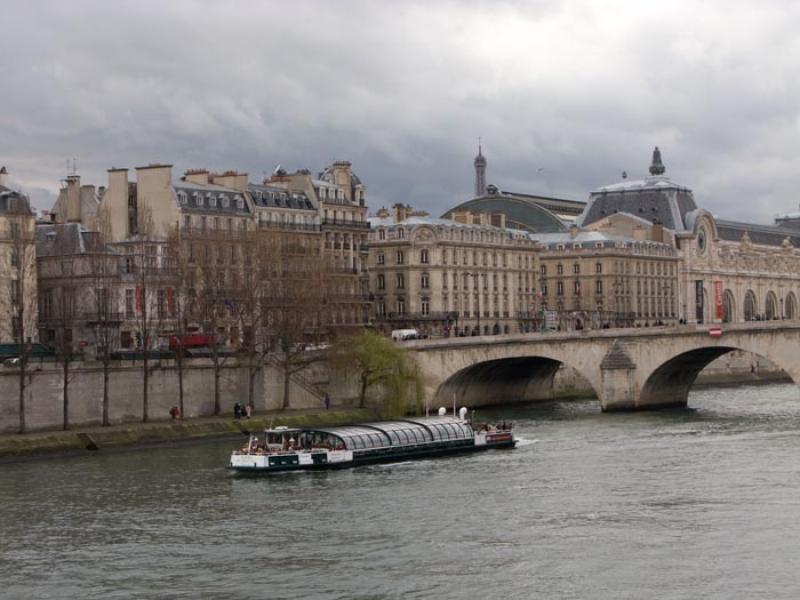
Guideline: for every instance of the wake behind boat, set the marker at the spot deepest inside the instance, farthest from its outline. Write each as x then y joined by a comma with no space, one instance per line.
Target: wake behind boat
291,449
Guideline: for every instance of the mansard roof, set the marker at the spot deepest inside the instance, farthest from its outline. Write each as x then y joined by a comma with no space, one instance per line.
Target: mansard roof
271,196
60,239
12,201
654,198
197,196
767,235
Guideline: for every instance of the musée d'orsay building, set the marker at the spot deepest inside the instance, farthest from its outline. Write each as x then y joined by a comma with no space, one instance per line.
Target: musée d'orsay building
638,253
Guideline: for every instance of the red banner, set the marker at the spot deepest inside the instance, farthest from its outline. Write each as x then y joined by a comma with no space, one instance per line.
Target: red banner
720,313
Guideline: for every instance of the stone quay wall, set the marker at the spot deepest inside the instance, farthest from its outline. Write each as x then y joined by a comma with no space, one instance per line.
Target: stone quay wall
44,391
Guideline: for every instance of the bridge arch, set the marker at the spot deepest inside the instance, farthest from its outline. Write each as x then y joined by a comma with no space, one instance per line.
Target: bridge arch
522,378
669,383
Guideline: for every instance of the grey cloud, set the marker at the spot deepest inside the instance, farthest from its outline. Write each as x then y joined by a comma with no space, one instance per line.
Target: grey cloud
566,95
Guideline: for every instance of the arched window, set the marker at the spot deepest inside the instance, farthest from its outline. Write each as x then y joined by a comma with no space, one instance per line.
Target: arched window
212,200
728,311
750,306
790,306
771,307
381,234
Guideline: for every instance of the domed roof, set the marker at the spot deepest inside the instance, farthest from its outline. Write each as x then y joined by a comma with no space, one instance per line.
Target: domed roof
520,213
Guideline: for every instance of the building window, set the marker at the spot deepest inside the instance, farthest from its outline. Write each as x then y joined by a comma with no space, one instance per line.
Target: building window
381,282
598,286
576,268
381,234
598,268
381,309
401,281
425,281
560,288
212,201
560,269
240,203
401,306
400,257
401,234
543,270
577,288
226,202
426,307
381,259
423,257
544,290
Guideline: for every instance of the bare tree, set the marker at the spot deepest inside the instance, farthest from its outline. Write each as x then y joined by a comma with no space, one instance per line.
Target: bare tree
297,298
151,299
219,280
66,319
180,250
104,311
252,309
22,263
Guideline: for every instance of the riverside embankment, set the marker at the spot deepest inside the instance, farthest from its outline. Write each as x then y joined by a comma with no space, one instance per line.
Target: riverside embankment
138,435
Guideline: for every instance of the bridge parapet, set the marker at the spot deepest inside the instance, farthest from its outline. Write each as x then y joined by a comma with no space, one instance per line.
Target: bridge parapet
629,369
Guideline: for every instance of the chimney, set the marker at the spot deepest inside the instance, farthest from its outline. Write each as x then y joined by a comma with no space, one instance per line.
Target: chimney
400,212
231,179
3,177
657,233
73,213
196,176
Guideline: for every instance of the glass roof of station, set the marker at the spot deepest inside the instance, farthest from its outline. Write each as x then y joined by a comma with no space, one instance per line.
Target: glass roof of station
401,433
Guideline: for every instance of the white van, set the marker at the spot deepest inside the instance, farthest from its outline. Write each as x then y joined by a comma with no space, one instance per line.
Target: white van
401,335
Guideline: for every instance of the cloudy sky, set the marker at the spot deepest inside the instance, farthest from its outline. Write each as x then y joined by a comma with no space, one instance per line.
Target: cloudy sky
565,94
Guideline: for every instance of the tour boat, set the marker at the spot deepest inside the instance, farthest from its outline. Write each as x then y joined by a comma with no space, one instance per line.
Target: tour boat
293,449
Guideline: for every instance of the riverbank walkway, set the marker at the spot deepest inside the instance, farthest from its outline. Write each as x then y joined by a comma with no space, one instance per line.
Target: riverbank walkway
81,439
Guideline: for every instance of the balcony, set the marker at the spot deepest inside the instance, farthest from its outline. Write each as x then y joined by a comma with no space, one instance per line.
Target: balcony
418,316
344,223
309,227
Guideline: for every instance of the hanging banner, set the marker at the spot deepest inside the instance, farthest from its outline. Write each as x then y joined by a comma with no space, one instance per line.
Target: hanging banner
719,311
698,300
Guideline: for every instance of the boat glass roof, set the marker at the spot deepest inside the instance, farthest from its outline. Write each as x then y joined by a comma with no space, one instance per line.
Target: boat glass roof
386,434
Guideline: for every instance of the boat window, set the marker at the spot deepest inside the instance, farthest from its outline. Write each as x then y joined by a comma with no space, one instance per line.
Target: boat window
437,435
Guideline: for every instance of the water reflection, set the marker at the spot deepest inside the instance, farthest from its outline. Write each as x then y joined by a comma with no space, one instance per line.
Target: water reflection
701,502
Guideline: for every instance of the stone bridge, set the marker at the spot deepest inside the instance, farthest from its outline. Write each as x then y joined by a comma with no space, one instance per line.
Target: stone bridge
629,369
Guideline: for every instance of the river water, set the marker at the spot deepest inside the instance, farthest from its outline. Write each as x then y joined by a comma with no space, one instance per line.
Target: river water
695,503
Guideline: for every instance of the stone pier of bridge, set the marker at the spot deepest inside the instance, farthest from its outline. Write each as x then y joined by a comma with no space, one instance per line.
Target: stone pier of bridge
629,369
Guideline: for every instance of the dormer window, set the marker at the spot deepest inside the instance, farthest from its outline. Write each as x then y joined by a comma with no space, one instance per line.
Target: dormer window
198,199
182,198
239,203
212,201
225,202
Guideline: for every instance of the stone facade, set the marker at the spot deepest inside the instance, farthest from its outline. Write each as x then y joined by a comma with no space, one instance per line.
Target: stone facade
727,271
18,290
445,277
